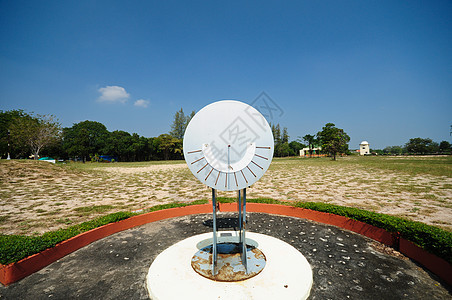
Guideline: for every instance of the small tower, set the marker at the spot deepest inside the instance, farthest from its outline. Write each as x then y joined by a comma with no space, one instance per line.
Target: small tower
364,148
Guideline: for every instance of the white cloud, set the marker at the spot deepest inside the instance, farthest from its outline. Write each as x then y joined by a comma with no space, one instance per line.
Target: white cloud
141,103
113,94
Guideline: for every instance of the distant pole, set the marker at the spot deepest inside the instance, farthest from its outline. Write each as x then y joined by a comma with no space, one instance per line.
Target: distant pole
8,146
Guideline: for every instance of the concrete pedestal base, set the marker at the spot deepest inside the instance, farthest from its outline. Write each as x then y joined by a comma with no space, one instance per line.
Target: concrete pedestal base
287,273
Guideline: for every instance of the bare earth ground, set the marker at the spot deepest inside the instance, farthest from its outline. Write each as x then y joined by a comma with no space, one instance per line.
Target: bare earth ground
38,196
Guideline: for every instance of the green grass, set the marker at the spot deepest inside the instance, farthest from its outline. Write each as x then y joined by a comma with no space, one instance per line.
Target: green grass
437,166
93,209
66,221
414,165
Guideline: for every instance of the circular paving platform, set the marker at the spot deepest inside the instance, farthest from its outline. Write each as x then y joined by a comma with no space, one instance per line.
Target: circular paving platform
287,273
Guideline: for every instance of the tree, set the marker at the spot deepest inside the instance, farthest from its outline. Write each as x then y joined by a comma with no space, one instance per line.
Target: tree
7,118
35,132
277,134
333,140
188,119
283,149
179,125
285,136
295,147
85,139
445,147
281,141
397,150
311,140
139,148
119,144
171,146
421,146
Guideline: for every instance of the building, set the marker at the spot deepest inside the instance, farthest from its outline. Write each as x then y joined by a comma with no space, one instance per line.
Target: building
315,151
364,148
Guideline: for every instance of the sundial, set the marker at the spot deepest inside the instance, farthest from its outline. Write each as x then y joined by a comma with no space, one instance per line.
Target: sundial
228,146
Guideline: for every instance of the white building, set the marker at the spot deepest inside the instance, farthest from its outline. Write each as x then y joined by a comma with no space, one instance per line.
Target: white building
315,151
364,148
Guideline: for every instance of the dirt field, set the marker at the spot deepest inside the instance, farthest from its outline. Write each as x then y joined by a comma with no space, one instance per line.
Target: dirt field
38,196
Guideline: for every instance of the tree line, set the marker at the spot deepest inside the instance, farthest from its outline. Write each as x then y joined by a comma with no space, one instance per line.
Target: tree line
417,145
25,135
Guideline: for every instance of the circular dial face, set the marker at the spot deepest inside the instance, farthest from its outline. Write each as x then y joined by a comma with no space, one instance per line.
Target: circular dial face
228,145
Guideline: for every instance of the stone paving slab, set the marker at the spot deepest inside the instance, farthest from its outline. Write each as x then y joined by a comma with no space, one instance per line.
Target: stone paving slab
345,265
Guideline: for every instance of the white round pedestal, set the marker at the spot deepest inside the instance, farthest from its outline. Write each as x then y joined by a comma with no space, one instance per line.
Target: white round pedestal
287,273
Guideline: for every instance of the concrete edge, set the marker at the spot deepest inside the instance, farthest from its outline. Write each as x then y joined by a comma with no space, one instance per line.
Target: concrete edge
15,271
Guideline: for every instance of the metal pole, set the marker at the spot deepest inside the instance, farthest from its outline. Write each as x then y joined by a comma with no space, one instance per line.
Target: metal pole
243,226
214,245
229,166
239,220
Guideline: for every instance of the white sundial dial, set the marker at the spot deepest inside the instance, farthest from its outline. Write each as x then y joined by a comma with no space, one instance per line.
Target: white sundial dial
228,145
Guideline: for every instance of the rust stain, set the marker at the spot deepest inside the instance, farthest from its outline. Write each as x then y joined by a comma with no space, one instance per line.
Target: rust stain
225,271
258,254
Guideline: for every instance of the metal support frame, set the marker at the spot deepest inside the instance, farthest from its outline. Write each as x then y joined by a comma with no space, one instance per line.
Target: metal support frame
214,245
242,225
241,203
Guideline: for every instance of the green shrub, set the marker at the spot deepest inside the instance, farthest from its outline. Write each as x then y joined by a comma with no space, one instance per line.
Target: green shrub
433,239
199,202
225,200
16,247
267,201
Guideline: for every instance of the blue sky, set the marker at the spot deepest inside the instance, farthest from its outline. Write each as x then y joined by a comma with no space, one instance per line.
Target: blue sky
381,70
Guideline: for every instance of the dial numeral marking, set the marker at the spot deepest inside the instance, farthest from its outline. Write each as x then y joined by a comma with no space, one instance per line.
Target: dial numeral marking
197,160
251,171
217,177
244,176
208,175
202,168
226,183
257,165
261,156
190,152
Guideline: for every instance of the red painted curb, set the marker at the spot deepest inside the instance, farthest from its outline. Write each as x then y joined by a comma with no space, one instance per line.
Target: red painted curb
370,231
16,271
437,265
434,263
